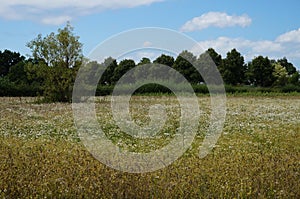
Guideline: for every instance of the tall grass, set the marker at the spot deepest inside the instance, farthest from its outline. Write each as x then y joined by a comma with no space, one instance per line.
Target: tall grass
256,157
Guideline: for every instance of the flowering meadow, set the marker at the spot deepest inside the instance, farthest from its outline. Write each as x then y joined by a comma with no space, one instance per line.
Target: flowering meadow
257,155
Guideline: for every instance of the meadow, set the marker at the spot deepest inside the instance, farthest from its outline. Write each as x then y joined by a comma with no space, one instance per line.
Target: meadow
257,156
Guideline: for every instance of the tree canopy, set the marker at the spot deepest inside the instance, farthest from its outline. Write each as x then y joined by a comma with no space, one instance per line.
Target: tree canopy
62,48
232,68
58,56
55,58
7,60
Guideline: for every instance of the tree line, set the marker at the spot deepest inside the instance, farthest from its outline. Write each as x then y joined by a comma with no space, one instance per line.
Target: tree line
51,69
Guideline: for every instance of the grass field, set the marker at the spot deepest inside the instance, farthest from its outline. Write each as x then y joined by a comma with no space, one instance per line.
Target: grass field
257,156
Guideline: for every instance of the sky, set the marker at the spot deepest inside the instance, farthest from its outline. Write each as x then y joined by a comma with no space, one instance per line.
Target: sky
253,27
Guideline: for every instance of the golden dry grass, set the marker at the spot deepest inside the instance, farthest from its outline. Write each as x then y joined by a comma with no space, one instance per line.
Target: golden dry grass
258,155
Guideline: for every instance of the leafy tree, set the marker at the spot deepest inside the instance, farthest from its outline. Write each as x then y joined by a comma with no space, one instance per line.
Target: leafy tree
295,78
92,71
7,88
165,60
124,66
217,58
59,83
62,49
280,74
140,72
233,68
261,71
184,64
207,62
62,54
87,80
9,59
18,74
290,68
36,71
144,60
107,76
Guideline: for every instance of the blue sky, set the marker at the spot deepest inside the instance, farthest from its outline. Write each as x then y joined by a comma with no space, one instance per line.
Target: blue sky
253,27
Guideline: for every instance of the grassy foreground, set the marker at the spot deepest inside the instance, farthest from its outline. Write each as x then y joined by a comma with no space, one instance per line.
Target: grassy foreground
257,156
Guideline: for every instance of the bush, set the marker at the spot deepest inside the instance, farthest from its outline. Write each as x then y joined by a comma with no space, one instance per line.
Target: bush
200,88
11,89
104,90
290,88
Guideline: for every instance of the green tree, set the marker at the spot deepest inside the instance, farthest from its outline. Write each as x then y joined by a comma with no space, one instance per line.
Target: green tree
295,78
233,68
140,72
124,66
62,49
184,64
144,60
207,62
107,77
261,71
165,60
62,53
9,59
217,58
17,73
280,74
290,68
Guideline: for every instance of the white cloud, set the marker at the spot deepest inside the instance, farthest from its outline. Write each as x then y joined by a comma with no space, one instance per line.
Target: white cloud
247,47
55,20
292,36
147,44
285,45
57,11
216,19
137,56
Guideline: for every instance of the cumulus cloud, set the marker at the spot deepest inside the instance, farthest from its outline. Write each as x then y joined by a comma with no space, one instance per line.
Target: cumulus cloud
55,20
215,19
285,45
57,12
147,44
292,36
138,55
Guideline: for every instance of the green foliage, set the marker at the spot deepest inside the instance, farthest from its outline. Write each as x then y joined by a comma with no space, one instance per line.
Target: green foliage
18,74
59,57
184,64
165,60
200,89
124,66
107,76
289,88
7,88
145,60
208,68
103,90
233,68
153,88
12,89
261,72
280,74
58,84
62,48
7,60
18,83
295,78
56,58
217,58
290,68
